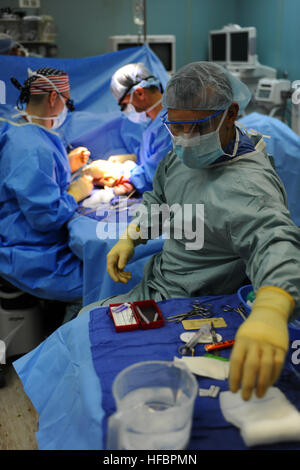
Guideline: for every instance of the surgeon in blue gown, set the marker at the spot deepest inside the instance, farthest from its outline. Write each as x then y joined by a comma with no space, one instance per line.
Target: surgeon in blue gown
139,95
36,197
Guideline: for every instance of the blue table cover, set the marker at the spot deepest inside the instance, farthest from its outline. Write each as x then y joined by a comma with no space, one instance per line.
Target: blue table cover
69,376
112,352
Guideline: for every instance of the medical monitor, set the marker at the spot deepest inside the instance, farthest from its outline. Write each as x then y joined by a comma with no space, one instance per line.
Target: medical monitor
218,46
164,46
233,46
242,47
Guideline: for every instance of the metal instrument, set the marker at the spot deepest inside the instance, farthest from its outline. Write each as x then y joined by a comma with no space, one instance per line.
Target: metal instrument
240,310
198,310
214,338
188,348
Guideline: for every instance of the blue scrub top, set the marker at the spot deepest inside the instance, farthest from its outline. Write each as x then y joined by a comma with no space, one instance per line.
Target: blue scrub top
34,208
155,145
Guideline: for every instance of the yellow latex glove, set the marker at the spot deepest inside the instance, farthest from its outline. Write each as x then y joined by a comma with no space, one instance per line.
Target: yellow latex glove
261,343
78,157
121,253
81,188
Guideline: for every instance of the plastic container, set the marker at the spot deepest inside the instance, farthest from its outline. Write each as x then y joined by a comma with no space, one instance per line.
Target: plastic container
155,403
47,30
11,25
242,295
31,27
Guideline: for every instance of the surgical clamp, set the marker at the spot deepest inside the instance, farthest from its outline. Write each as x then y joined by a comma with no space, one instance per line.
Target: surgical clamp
197,310
240,309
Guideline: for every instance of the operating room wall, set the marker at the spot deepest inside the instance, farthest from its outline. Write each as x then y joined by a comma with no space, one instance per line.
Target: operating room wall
84,26
278,25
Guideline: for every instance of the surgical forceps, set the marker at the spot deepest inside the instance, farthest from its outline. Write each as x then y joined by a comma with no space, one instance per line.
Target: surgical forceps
198,310
240,309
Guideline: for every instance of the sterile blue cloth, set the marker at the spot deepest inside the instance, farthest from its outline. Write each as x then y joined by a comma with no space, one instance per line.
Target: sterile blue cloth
113,352
104,134
91,237
89,76
284,146
58,376
34,209
97,121
156,143
69,377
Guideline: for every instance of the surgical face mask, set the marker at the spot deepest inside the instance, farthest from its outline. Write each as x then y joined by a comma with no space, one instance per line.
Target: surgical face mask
134,116
57,121
199,151
60,119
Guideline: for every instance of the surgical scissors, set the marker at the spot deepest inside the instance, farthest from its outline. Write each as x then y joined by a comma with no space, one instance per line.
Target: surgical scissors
240,309
198,310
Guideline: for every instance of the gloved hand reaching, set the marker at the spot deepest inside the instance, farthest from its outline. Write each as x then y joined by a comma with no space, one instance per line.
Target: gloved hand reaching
78,157
261,343
121,253
81,188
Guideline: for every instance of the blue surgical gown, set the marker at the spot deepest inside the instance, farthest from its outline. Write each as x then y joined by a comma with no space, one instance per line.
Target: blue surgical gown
284,145
156,143
34,209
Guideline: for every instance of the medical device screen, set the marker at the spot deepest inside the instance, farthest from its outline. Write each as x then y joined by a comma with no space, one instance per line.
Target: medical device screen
218,47
239,46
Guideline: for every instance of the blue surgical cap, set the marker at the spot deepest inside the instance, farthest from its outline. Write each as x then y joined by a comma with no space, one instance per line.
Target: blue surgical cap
205,86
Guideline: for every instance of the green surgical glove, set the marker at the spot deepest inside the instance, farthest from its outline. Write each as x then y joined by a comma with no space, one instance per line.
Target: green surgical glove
261,343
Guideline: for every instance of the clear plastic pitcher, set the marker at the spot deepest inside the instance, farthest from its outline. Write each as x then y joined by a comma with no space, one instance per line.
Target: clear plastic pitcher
155,403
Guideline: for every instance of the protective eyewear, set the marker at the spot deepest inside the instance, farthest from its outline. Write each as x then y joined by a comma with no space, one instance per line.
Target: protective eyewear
69,103
129,89
202,126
